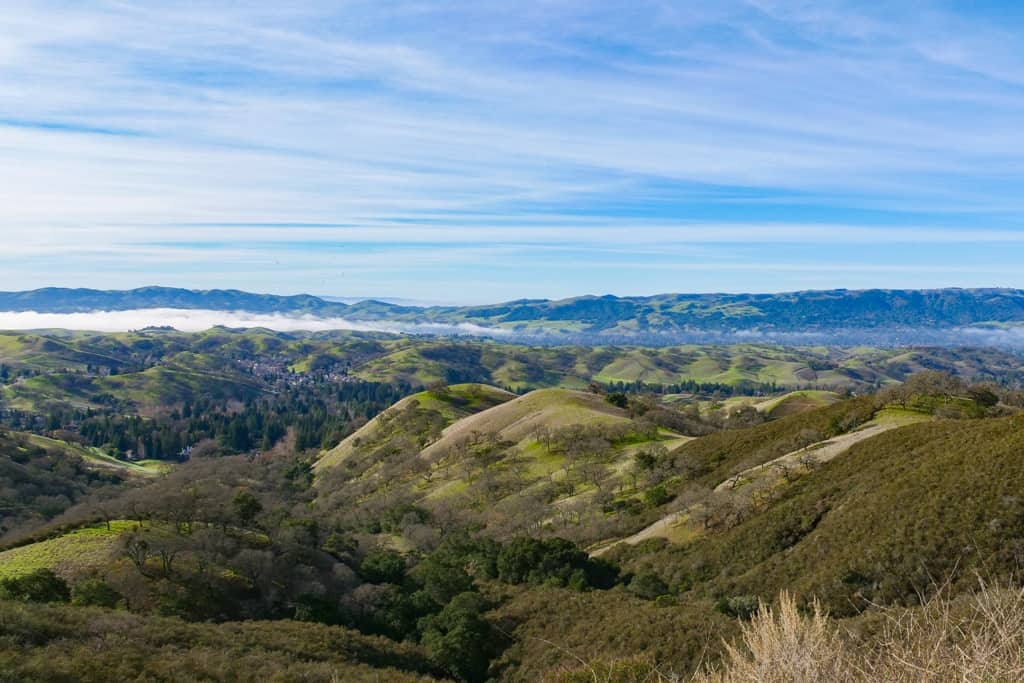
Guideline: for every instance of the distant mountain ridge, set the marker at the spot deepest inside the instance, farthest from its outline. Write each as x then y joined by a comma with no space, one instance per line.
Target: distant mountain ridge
62,300
858,316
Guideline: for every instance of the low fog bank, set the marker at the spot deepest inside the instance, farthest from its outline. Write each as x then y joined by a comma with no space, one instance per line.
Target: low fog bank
197,320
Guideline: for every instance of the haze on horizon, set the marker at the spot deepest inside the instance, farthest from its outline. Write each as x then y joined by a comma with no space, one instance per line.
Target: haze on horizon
467,152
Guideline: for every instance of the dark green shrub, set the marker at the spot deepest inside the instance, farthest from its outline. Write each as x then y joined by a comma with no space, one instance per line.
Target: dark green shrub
554,561
383,566
95,593
657,496
648,586
460,639
42,585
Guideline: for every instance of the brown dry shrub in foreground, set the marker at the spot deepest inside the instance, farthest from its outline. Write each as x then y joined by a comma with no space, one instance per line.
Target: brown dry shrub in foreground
782,646
979,637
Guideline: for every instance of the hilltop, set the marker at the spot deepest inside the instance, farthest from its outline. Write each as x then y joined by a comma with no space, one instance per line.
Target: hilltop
445,405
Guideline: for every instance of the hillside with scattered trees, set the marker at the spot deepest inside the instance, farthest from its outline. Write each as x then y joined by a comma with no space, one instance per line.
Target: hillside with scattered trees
333,526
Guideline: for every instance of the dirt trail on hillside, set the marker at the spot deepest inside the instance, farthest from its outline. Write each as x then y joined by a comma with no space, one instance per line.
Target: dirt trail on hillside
655,530
820,452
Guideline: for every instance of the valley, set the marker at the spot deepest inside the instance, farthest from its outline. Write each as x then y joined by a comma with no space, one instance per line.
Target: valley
475,510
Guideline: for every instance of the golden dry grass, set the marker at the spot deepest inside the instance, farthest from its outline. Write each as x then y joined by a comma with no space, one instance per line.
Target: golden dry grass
518,419
975,638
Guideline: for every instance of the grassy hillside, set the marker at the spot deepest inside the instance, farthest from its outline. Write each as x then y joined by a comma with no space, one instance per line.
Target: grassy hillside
92,549
715,457
558,630
147,389
50,353
796,402
41,478
520,419
909,507
445,405
539,461
97,459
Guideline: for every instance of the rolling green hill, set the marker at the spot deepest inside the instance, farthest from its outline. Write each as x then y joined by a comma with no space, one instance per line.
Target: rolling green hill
96,459
445,407
796,402
753,365
535,461
146,371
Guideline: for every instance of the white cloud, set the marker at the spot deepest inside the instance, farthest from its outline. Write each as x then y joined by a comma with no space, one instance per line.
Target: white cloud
425,123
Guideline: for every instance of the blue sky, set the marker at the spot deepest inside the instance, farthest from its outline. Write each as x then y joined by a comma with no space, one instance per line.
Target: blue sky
480,151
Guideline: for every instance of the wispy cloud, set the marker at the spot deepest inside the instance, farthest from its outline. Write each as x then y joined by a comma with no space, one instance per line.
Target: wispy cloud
462,133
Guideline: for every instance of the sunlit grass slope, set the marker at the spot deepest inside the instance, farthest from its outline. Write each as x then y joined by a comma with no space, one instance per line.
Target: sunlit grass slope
76,553
451,404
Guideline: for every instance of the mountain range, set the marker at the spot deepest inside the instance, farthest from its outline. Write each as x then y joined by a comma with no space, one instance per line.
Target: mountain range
950,316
